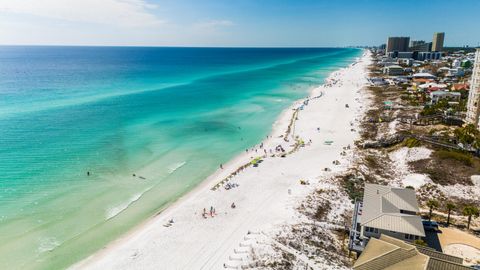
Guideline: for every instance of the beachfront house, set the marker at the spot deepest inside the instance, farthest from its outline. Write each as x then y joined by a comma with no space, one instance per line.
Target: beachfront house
385,210
390,253
424,75
378,82
393,70
436,96
432,86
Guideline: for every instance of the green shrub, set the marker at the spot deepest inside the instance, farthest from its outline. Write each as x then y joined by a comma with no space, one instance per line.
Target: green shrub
412,142
353,186
464,158
420,242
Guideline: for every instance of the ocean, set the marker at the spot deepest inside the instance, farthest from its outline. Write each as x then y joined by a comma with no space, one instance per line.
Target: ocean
94,140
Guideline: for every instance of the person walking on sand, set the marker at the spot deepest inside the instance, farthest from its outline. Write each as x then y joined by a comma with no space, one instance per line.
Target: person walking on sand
221,166
211,211
233,205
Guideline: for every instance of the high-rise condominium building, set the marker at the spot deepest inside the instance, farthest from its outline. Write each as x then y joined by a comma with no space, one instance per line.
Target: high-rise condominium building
399,44
437,42
473,105
420,46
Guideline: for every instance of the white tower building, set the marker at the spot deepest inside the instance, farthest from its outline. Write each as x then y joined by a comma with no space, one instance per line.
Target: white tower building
473,105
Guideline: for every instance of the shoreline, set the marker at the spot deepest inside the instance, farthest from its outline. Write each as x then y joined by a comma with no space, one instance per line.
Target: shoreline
141,234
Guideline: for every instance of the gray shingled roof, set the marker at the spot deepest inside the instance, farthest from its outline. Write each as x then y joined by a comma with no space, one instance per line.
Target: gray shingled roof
388,253
438,255
382,207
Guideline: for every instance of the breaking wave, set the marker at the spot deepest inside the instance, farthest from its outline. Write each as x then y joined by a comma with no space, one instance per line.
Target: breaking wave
176,166
116,210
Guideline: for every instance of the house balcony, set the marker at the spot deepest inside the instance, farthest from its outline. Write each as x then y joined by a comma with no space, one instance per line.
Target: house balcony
356,242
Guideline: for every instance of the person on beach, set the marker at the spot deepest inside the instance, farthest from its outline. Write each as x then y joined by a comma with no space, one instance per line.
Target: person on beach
88,173
233,205
221,166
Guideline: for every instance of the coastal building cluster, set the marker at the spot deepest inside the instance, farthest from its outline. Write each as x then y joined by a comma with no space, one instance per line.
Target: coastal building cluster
403,47
433,91
438,79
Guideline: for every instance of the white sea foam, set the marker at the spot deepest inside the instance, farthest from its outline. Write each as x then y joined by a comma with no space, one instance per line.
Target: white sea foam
115,210
48,244
176,166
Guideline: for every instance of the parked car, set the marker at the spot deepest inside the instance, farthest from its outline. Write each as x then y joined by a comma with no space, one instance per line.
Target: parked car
430,225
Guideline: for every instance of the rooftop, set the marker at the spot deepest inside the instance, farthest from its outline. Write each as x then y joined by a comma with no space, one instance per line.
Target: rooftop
423,75
394,66
393,254
384,208
441,93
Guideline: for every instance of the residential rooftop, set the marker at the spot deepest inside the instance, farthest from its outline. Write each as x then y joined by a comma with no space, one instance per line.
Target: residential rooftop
393,254
392,209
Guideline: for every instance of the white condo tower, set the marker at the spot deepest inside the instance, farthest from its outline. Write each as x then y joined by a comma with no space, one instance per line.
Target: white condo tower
473,105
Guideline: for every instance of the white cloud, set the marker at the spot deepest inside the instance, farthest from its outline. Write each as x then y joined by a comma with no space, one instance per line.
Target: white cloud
123,13
213,24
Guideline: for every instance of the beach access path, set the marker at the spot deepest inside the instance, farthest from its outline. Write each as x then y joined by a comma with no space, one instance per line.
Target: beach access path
267,195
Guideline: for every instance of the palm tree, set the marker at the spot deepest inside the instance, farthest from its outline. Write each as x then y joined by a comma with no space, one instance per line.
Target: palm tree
431,204
466,135
450,206
470,211
471,129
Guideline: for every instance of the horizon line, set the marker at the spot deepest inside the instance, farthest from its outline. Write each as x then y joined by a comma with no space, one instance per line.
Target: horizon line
180,46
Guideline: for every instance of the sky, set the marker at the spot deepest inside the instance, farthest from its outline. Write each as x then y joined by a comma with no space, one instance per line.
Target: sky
236,23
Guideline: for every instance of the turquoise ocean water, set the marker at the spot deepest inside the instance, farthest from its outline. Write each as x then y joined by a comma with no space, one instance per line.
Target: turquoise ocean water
170,115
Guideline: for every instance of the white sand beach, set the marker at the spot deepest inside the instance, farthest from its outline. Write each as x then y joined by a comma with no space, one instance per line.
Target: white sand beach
265,197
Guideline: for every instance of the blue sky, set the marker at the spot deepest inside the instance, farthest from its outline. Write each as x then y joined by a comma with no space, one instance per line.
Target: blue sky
235,22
